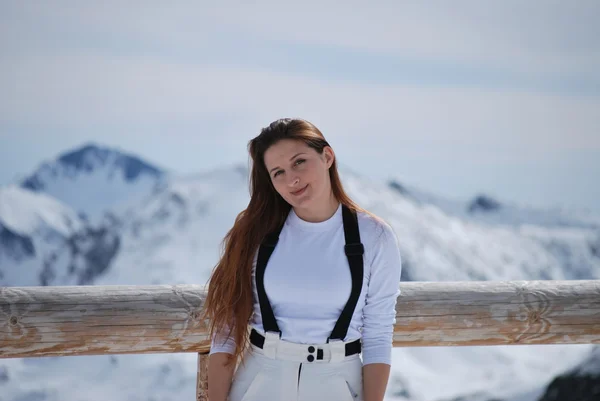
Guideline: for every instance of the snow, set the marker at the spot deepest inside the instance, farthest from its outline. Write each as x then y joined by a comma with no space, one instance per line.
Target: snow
44,224
591,365
508,214
94,180
443,247
25,212
103,377
44,242
175,236
498,371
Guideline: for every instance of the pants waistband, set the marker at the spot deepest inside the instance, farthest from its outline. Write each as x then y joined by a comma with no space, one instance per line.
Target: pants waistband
272,346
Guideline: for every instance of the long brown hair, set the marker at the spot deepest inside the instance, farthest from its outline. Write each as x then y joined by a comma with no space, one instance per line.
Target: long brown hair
229,301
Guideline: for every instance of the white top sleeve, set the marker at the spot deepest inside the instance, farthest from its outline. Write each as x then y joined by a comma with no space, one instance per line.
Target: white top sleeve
221,343
379,312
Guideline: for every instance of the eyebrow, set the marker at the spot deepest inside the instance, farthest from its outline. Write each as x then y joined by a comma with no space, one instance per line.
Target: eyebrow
291,158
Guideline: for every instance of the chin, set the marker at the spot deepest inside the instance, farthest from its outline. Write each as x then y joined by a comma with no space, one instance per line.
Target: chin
301,203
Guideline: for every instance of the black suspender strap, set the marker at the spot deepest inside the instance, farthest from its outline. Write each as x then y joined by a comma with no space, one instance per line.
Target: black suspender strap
354,250
264,253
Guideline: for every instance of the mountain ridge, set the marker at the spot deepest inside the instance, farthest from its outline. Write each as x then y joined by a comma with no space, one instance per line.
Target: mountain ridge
94,179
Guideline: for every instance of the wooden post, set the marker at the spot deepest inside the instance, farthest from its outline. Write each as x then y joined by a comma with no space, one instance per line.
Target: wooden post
202,378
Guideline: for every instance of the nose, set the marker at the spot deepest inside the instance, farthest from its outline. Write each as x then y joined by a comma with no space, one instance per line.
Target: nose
294,181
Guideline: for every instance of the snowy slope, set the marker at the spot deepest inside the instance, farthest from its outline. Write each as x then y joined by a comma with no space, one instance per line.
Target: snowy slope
93,179
487,209
27,213
581,383
31,227
174,237
441,246
44,242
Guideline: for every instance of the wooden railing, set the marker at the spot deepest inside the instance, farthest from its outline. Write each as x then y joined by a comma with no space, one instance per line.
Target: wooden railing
121,319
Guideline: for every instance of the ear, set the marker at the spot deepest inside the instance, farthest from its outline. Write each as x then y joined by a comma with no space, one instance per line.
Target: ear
329,156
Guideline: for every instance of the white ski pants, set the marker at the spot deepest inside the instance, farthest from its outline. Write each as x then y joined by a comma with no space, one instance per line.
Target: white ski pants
281,371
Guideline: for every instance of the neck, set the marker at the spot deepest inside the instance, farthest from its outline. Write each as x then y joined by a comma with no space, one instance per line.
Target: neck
319,212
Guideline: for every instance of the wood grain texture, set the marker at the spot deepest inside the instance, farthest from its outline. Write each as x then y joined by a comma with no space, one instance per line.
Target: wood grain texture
498,313
94,320
202,379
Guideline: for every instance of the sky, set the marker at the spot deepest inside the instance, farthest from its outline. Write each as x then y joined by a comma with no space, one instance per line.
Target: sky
458,98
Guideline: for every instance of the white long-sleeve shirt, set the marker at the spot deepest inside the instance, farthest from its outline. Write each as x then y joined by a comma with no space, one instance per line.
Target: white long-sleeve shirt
308,282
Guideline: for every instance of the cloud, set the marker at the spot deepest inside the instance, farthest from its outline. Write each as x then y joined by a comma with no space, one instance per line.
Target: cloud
545,37
525,36
80,90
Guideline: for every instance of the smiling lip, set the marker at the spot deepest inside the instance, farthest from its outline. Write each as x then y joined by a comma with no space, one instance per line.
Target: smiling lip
300,192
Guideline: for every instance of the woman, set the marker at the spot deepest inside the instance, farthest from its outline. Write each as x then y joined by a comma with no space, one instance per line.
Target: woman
329,291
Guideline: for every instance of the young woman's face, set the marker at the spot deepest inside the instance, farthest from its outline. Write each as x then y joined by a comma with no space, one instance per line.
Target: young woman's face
298,172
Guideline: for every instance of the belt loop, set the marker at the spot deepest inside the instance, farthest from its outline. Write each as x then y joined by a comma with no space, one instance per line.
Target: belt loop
271,343
337,350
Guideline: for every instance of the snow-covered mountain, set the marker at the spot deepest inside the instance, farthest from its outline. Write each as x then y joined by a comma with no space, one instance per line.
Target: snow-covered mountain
173,236
45,242
441,246
489,210
93,179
